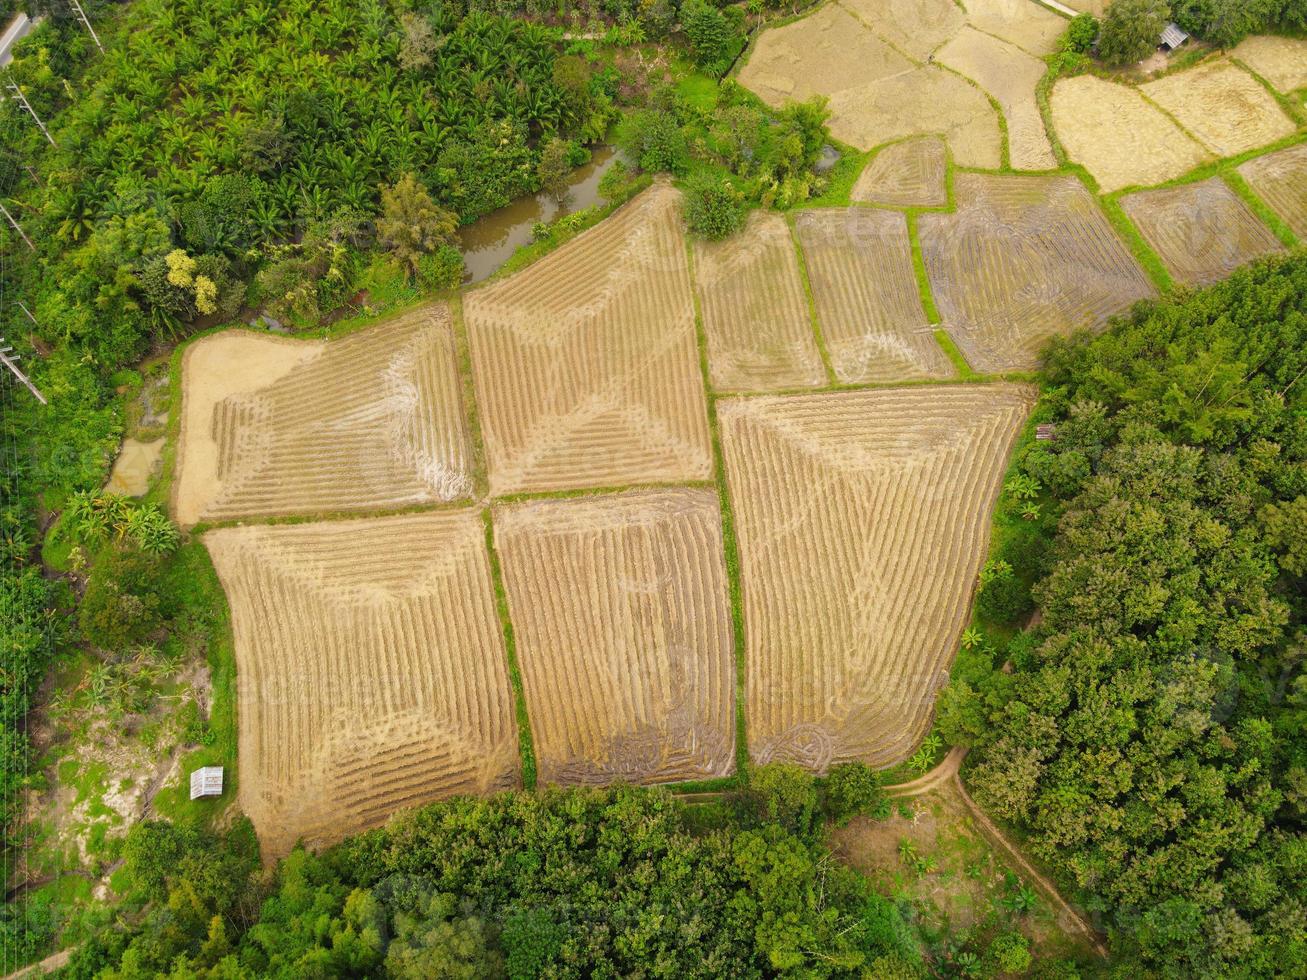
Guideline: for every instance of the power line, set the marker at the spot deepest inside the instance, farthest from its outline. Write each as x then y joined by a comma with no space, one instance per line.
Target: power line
7,358
5,211
22,101
91,30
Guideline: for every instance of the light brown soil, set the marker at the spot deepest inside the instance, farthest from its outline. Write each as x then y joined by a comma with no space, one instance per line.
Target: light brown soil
1224,107
587,362
1023,259
137,464
371,672
1010,75
1280,179
863,519
755,313
373,420
907,174
1202,231
1024,23
1121,139
868,302
915,27
624,637
1282,61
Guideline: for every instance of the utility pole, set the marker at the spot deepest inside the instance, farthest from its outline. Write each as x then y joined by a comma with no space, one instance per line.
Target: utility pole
22,101
7,358
29,313
5,211
91,30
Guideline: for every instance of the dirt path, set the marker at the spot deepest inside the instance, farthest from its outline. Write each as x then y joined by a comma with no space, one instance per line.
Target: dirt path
948,773
56,961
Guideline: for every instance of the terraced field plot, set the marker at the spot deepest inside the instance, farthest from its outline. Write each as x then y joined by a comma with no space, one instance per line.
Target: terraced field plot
371,672
587,363
1024,258
1282,61
1010,75
1202,231
623,626
755,313
1223,106
863,519
907,174
916,27
1119,138
1021,22
1280,179
273,426
868,302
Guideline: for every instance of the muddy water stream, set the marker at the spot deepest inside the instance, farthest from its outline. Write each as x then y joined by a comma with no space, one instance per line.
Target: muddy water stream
489,242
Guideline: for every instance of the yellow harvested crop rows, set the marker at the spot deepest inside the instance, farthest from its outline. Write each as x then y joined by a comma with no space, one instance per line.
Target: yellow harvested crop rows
1280,179
587,362
371,672
277,427
868,303
863,519
755,313
907,174
623,629
1025,258
1225,108
1202,231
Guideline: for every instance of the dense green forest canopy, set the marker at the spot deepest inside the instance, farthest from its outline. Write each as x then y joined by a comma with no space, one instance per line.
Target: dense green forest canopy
1151,737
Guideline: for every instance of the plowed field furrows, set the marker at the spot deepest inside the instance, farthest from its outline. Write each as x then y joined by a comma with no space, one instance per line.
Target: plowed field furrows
1282,61
587,362
371,672
1280,179
863,520
620,610
907,174
1202,232
865,289
755,313
1010,75
1223,106
371,421
1119,137
1023,259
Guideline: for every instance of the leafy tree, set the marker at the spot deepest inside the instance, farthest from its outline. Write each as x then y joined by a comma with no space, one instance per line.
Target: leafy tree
411,225
654,140
1131,29
1081,34
712,35
713,208
852,789
555,167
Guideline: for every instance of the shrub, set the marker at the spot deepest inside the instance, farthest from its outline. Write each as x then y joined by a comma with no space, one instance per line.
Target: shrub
1003,598
853,789
654,140
784,793
713,208
1081,35
441,269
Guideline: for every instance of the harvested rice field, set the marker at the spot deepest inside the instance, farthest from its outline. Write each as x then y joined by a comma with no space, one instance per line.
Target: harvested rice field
1021,22
908,174
1282,61
915,27
1010,75
1280,179
371,672
623,631
587,363
1145,146
1224,107
1024,258
1202,232
868,301
755,313
862,520
272,426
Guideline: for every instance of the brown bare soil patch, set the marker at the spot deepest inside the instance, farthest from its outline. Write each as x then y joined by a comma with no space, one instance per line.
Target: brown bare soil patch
863,519
868,302
624,635
1023,259
1021,22
587,362
1010,75
907,174
1280,179
1202,231
371,672
1282,61
1119,137
755,313
136,465
371,421
915,27
1223,106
